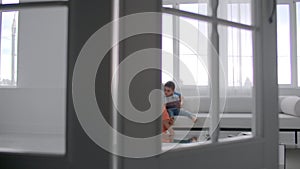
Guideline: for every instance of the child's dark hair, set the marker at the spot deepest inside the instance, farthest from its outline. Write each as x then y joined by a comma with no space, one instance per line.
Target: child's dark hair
170,84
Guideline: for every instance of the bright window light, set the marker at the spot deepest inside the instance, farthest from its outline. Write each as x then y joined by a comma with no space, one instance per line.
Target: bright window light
283,41
199,8
167,46
8,54
189,59
240,57
239,47
10,1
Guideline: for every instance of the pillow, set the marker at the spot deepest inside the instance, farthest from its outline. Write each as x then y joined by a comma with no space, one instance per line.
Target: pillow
279,103
291,105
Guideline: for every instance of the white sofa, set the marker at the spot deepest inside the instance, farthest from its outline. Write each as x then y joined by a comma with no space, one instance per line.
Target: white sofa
237,115
197,104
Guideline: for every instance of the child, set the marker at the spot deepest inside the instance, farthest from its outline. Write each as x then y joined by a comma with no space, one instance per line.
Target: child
173,102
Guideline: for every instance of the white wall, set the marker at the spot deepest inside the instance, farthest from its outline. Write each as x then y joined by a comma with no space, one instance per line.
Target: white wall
38,104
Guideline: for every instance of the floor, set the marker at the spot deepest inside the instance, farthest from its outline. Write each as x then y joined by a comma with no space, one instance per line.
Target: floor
54,144
293,158
32,143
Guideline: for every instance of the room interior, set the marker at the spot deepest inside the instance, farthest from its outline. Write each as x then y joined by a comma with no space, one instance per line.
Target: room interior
37,56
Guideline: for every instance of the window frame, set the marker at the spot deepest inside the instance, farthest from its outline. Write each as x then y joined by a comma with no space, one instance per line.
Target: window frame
215,22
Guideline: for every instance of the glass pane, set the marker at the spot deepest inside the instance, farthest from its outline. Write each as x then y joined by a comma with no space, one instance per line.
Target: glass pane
189,72
167,47
9,39
10,1
188,56
283,44
239,58
236,11
236,56
235,69
198,8
9,45
33,113
168,6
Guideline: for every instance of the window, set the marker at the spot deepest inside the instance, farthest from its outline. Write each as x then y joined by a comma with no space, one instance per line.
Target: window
167,45
33,105
236,45
187,59
288,43
284,46
9,45
236,49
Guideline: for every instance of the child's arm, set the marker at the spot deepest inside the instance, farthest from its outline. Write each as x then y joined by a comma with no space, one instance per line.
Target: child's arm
181,101
180,104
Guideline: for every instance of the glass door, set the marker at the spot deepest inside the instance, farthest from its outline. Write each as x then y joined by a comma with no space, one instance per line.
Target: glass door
231,59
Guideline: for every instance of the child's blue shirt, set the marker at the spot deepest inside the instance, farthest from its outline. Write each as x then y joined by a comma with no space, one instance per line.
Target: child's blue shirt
173,101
